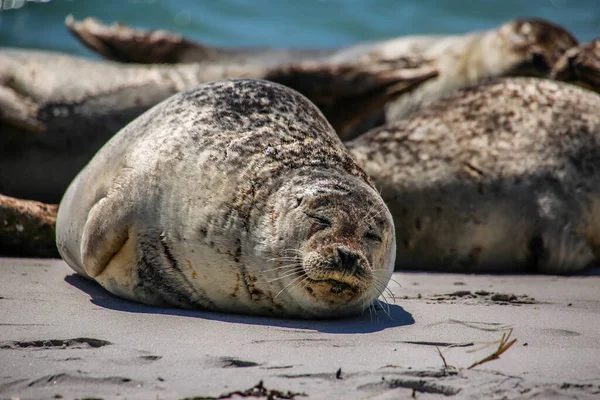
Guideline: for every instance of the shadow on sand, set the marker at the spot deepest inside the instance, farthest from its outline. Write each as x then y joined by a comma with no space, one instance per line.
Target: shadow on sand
387,316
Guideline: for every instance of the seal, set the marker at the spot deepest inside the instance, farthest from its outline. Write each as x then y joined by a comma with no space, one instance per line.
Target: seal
520,47
499,177
235,196
523,47
52,123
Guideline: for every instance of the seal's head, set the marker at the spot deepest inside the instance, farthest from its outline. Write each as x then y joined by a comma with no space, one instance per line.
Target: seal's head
343,244
533,46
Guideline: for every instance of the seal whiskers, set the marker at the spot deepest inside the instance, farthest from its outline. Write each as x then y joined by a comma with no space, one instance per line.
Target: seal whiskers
298,269
294,281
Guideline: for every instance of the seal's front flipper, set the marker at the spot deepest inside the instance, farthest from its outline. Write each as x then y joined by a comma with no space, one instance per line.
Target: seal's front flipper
122,43
106,230
19,112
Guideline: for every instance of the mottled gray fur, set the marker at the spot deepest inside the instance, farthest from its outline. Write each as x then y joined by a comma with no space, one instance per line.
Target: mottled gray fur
504,176
208,198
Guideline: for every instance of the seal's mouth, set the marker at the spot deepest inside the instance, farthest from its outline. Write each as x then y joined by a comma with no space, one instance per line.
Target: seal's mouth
338,287
337,277
332,289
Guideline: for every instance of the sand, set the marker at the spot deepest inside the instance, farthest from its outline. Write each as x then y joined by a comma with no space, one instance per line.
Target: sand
64,336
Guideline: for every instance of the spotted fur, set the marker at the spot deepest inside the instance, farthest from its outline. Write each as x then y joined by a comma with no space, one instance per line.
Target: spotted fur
503,176
203,200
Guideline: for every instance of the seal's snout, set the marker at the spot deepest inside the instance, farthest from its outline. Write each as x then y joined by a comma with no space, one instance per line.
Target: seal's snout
348,260
336,274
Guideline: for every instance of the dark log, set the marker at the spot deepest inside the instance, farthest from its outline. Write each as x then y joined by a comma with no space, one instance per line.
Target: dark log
27,228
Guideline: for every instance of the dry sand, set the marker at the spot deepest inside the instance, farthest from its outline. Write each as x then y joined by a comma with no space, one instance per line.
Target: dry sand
61,335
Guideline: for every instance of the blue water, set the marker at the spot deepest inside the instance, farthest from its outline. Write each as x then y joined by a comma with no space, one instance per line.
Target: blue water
285,23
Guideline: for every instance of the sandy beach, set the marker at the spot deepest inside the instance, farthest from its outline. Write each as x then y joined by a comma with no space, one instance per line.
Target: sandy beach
433,335
62,336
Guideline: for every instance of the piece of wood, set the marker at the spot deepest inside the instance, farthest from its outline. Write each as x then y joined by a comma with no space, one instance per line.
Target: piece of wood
27,228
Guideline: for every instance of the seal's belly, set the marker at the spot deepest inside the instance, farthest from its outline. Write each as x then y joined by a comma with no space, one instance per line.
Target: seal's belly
150,268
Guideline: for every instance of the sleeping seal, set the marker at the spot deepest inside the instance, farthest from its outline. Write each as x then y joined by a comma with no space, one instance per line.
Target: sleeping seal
235,196
500,177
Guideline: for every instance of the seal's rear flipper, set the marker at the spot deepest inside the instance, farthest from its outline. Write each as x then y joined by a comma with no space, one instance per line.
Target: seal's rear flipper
580,66
122,43
351,93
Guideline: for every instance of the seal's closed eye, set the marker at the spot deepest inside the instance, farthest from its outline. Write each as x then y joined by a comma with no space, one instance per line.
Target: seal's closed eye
325,222
373,236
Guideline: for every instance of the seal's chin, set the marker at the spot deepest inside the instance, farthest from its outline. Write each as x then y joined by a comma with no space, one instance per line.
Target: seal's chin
332,291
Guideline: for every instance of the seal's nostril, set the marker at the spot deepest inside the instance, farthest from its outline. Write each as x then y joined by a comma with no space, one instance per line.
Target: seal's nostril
347,258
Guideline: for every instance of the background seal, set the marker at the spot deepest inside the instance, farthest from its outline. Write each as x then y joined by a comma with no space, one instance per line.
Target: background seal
499,177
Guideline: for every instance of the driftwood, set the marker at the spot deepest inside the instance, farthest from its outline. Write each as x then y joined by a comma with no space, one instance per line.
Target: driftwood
27,228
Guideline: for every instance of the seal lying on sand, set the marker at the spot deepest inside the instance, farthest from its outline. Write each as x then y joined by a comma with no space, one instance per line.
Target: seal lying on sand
235,196
504,176
53,122
521,47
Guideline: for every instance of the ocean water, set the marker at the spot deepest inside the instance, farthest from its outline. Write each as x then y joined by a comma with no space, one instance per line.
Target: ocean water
284,23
